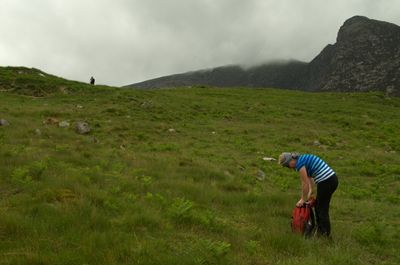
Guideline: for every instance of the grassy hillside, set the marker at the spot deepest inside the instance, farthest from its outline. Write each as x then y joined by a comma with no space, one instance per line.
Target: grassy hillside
34,82
173,177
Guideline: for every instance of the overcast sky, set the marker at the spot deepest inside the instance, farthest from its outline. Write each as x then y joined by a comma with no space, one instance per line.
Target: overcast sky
121,42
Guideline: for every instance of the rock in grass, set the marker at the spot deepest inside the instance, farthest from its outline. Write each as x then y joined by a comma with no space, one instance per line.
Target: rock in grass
82,127
38,132
269,159
316,143
63,124
146,104
4,122
260,175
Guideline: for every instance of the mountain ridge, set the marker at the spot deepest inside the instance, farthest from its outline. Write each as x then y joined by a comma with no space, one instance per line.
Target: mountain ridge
365,57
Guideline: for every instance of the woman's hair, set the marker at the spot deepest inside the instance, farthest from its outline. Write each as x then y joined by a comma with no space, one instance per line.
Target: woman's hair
285,158
295,155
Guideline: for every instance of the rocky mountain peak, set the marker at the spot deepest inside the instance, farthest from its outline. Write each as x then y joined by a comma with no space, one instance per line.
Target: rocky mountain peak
365,57
369,30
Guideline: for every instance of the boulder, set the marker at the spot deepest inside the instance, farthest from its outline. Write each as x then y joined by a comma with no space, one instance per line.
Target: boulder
4,122
316,143
82,127
63,124
260,175
269,159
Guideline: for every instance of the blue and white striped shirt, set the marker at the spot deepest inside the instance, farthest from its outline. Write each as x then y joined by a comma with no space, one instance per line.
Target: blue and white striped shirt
316,168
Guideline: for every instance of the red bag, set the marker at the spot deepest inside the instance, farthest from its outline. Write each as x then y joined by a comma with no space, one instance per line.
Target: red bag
303,221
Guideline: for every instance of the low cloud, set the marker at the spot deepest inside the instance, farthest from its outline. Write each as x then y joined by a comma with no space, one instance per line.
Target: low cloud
126,41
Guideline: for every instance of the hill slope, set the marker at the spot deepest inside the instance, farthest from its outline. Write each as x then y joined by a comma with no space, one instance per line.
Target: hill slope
178,177
365,57
285,74
34,82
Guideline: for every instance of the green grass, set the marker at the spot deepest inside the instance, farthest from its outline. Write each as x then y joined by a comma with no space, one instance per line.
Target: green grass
134,192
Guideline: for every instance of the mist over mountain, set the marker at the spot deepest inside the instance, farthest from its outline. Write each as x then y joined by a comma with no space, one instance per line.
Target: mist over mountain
284,74
365,57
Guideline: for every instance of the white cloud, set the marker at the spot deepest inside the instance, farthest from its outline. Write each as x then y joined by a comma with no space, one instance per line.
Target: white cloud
122,42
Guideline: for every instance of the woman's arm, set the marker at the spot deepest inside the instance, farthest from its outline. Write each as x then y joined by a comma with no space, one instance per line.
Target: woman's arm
306,187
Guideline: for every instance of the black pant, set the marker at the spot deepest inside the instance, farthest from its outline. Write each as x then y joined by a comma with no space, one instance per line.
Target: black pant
325,189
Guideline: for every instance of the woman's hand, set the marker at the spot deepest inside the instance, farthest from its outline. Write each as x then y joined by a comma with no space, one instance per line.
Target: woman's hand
300,203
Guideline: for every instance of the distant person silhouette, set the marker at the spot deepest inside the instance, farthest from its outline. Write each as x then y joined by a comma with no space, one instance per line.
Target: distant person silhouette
92,80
